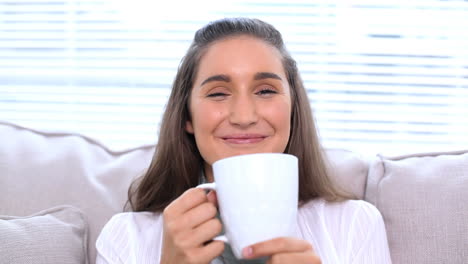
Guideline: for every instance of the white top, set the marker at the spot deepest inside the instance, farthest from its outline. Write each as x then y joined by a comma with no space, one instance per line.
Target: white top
347,232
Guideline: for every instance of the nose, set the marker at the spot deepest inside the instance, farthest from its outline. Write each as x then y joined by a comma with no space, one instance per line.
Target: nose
243,111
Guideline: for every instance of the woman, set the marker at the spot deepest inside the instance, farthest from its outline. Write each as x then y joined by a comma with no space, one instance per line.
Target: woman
237,91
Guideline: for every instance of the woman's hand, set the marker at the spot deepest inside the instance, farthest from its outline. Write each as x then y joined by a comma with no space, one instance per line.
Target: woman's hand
283,250
189,222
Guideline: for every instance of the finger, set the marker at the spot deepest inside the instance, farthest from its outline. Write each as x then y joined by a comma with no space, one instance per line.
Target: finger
206,253
198,215
188,200
274,246
212,198
207,231
195,238
296,258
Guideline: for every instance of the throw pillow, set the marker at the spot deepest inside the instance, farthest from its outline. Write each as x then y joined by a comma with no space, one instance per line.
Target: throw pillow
55,235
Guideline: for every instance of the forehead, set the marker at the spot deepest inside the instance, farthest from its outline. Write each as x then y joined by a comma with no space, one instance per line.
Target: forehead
240,53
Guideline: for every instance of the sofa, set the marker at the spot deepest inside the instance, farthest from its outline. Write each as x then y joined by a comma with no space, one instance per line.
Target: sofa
57,191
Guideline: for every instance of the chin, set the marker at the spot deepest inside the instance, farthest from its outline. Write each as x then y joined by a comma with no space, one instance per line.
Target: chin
246,151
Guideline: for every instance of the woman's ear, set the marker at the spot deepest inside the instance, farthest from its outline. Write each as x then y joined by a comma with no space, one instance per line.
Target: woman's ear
189,127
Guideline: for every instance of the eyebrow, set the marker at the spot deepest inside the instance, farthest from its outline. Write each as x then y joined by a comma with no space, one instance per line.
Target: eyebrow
266,75
219,77
226,78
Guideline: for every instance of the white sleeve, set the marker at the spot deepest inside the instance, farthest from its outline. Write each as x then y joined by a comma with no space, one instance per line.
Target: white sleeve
368,238
130,238
100,259
109,242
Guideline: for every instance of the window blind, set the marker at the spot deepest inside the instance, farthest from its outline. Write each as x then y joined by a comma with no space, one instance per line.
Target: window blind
387,77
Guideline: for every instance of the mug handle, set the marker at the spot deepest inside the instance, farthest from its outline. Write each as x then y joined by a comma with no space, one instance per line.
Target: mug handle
212,186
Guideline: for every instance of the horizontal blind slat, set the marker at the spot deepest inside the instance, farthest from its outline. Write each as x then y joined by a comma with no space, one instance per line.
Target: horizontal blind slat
92,66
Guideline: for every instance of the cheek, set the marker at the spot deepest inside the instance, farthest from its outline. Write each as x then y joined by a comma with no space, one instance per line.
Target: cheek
281,120
205,119
284,122
280,116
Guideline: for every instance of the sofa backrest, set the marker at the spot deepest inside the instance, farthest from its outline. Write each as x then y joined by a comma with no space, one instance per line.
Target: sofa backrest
423,199
39,171
348,170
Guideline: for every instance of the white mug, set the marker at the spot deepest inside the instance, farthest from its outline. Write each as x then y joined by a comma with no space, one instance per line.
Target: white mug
257,197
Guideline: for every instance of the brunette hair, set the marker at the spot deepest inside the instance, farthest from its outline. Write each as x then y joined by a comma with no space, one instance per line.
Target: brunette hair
177,164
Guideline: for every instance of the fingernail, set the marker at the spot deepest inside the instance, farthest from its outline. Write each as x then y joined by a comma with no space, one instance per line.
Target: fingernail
210,195
247,252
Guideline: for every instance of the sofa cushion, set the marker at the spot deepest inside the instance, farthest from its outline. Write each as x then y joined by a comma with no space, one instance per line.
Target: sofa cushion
56,235
423,200
348,170
42,170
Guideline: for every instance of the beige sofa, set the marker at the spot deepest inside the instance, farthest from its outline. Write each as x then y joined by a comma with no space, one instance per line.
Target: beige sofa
57,190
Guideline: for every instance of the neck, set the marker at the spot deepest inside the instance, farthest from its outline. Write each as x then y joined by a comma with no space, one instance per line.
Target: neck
208,173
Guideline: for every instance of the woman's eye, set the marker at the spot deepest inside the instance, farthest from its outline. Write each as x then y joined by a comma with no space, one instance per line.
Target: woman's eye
217,95
266,92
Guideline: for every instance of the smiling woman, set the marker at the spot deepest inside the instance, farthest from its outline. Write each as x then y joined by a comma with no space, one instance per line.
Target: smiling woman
237,91
240,101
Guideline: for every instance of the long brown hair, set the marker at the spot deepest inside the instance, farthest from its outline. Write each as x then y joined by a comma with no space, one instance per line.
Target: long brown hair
177,164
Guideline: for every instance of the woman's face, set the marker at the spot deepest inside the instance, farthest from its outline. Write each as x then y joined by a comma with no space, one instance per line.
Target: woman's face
240,101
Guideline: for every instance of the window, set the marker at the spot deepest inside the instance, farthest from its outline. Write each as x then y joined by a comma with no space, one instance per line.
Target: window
389,77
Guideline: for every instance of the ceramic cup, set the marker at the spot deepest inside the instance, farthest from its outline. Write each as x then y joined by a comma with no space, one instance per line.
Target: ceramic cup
257,197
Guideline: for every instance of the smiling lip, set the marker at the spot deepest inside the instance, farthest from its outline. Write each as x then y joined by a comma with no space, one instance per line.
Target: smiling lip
244,139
